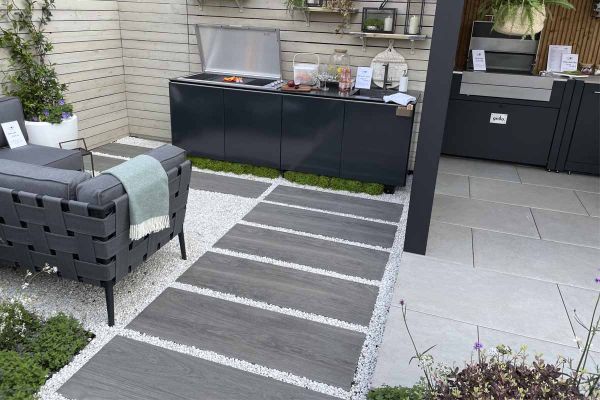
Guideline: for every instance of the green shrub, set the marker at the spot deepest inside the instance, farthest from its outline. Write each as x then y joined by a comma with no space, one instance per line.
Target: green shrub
416,392
334,183
57,341
16,325
234,168
20,376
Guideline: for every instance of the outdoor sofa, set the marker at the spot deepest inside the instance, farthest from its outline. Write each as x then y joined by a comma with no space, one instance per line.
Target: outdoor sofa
52,212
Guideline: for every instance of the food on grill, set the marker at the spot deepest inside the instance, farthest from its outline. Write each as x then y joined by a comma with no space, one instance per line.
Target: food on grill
233,79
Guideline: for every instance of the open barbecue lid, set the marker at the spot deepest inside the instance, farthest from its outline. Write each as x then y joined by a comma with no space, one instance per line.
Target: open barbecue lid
240,51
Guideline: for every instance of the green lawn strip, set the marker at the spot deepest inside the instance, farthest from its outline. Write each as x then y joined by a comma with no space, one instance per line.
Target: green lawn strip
297,177
31,349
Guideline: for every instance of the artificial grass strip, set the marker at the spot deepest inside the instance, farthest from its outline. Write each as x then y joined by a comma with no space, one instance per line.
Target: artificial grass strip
326,182
234,168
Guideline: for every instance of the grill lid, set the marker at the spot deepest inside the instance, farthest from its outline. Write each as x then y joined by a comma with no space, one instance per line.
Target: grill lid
240,51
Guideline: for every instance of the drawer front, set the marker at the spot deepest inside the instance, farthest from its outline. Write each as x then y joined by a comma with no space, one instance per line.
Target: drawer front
585,143
503,132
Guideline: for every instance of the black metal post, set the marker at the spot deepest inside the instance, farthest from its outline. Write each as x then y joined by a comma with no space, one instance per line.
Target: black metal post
182,246
448,18
110,302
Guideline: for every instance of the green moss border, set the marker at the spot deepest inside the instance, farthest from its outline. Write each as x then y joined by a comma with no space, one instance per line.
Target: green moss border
325,182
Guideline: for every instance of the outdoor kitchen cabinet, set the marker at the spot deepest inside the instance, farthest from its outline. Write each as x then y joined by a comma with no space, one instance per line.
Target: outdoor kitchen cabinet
312,130
252,127
197,120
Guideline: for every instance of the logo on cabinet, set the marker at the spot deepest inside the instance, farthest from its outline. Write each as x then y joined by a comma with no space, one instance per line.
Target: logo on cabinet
500,119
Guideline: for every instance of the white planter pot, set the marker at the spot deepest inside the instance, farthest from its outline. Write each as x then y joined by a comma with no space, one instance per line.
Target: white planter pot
47,134
519,26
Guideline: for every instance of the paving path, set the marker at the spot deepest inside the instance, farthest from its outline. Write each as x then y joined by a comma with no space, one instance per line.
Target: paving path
279,308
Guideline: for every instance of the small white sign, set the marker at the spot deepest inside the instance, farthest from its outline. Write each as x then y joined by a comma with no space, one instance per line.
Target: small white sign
555,53
500,119
364,75
13,134
569,62
479,63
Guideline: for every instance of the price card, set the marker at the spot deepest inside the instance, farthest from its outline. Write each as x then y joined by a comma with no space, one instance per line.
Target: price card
13,134
569,62
364,75
555,53
479,60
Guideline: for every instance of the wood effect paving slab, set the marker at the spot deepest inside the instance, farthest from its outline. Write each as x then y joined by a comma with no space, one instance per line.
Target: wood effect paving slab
284,287
339,257
329,225
122,150
227,184
126,369
317,351
361,207
102,163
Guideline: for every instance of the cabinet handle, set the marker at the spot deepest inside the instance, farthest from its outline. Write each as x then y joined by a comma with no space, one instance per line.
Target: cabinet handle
597,92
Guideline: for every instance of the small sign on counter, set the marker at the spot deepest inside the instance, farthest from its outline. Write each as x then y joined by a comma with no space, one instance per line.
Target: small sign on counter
364,75
555,53
479,63
13,134
569,62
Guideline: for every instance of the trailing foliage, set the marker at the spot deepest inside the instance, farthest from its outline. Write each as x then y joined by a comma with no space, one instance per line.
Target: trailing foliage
505,11
234,168
31,77
416,392
326,182
20,376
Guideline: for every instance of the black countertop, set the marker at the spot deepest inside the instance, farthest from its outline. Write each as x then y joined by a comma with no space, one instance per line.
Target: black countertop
371,95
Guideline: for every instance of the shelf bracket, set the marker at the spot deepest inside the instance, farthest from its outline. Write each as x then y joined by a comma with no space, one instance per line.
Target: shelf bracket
306,13
412,46
363,39
202,3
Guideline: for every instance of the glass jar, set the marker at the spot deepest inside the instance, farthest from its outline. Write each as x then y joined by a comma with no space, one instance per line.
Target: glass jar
339,68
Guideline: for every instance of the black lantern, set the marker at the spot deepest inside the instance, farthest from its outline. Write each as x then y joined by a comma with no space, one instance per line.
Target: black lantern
314,3
379,20
413,24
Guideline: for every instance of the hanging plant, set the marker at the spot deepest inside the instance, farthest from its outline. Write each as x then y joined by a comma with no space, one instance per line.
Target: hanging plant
291,5
345,8
31,77
520,17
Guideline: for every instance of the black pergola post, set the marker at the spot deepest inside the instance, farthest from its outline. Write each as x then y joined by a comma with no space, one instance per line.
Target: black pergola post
448,18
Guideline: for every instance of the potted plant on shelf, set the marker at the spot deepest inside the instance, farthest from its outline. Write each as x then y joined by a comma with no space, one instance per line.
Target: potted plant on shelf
520,17
49,119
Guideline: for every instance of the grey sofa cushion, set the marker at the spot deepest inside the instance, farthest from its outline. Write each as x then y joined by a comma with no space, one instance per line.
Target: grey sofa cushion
46,156
40,180
11,110
105,188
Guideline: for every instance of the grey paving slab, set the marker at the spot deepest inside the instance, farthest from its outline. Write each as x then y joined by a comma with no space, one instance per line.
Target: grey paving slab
127,369
539,176
583,301
317,253
453,185
284,287
101,163
453,340
495,300
535,258
329,225
361,207
227,184
526,195
568,228
450,242
123,150
490,338
320,352
591,202
479,168
484,215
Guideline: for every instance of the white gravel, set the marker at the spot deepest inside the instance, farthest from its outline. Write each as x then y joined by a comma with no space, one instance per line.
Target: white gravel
209,217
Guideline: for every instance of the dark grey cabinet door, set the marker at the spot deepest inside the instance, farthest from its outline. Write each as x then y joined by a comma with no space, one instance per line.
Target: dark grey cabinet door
376,144
197,120
526,136
584,151
253,128
311,139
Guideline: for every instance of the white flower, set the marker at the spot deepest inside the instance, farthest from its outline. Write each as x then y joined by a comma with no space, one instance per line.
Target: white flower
28,273
25,286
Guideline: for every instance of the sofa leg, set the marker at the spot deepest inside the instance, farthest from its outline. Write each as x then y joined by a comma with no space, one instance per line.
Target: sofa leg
110,302
182,246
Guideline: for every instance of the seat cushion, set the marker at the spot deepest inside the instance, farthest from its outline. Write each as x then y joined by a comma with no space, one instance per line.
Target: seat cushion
103,189
42,180
11,110
46,156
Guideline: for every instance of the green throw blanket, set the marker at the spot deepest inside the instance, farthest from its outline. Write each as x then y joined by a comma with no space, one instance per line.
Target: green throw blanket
147,186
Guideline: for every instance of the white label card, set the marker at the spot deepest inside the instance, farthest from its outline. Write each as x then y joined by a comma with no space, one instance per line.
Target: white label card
569,62
13,134
500,119
479,63
555,53
364,75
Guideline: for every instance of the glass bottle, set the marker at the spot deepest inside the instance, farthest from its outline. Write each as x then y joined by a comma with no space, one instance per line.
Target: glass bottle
339,67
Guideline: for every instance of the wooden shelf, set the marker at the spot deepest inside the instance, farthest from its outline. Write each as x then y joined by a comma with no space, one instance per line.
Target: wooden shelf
238,2
309,10
365,36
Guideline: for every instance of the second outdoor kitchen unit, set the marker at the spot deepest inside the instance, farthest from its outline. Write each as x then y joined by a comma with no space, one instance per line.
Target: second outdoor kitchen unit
239,110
